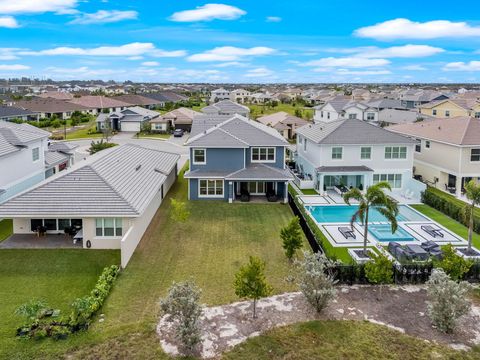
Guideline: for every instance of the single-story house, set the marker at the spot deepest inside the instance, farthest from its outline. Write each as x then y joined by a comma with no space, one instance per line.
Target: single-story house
128,120
181,118
111,199
284,123
9,113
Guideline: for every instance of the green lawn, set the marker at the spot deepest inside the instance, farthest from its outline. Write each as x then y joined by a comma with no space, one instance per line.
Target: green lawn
6,229
261,110
57,276
309,191
453,199
340,340
448,222
83,133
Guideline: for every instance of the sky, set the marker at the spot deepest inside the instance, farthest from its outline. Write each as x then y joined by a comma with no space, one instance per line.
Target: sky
267,41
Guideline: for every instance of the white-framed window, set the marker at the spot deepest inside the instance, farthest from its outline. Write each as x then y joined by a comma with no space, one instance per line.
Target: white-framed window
35,154
352,116
328,115
108,227
264,154
434,112
477,115
210,188
158,126
199,156
365,153
300,139
395,152
321,113
475,155
395,180
256,187
418,146
427,144
447,113
337,153
370,116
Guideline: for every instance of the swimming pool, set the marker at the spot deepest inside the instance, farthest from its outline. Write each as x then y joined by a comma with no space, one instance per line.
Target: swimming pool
383,232
344,213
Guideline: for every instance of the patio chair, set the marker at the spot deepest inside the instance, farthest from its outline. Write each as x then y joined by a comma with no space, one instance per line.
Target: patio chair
346,232
430,246
430,230
418,252
392,247
402,254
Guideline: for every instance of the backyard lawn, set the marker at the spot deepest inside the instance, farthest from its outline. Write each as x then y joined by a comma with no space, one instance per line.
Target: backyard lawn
261,110
6,228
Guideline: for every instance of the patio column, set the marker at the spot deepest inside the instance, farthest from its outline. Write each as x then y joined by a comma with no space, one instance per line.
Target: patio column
320,184
458,186
285,192
230,192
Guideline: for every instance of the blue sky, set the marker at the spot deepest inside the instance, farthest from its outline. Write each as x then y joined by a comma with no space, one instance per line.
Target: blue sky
241,41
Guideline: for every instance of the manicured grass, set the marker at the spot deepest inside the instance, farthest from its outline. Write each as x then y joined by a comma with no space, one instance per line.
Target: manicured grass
56,276
340,340
6,228
448,222
83,133
309,192
260,110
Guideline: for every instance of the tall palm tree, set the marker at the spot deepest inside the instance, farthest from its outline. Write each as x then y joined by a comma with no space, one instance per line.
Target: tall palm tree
472,190
373,197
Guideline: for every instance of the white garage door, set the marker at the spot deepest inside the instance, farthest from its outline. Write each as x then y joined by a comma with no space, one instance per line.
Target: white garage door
130,126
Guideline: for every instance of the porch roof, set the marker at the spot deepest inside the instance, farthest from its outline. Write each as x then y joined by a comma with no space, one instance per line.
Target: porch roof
261,172
343,169
207,174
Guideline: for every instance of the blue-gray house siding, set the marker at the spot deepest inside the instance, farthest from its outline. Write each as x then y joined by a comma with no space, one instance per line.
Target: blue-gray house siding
219,159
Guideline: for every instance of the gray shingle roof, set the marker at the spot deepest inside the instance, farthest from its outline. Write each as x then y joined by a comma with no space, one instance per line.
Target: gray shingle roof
350,131
121,183
262,172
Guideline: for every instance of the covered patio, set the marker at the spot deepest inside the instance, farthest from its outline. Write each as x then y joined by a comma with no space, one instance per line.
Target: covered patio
32,241
342,178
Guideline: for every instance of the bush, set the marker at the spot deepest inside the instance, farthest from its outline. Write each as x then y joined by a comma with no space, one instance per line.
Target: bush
447,300
380,270
316,280
56,137
453,264
291,236
99,146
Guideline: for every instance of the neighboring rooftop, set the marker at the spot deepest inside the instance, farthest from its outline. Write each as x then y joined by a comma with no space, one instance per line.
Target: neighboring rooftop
165,97
98,102
226,107
281,118
10,111
181,115
14,136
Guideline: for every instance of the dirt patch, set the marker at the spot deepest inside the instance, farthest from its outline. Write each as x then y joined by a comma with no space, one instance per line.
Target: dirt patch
400,308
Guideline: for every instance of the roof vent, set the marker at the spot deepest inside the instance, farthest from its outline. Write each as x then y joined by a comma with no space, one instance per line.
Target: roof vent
160,171
138,167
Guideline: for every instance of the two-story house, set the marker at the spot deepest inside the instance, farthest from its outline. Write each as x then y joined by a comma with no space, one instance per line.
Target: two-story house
447,154
233,158
452,108
353,153
240,95
219,95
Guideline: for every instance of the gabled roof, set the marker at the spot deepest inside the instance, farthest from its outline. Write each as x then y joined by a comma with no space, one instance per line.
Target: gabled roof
460,130
12,111
466,104
62,146
134,99
49,105
21,134
165,96
122,182
350,131
283,118
226,107
54,158
98,102
181,115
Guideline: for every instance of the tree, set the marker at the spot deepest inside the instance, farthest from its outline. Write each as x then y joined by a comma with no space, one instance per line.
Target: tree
107,129
472,190
379,271
316,280
374,197
298,113
291,236
453,264
250,282
448,300
182,306
179,211
73,121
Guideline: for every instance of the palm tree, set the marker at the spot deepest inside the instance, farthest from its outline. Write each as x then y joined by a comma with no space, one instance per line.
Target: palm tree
373,197
472,190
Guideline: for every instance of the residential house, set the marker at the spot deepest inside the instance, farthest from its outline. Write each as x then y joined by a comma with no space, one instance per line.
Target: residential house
181,118
413,98
48,108
226,107
344,108
99,104
240,96
139,100
448,152
128,120
452,108
57,95
219,95
354,153
284,123
234,158
164,97
111,198
260,98
9,113
59,157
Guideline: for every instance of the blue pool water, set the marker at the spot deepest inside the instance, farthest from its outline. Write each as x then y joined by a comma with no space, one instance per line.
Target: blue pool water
383,232
344,213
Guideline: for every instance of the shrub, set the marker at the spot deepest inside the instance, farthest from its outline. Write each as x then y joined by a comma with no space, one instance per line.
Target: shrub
316,280
453,264
99,146
380,270
447,300
291,236
182,306
32,310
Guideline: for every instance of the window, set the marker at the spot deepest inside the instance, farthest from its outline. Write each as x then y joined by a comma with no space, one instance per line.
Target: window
337,153
370,116
475,155
447,113
477,115
365,153
395,180
395,152
264,154
305,145
158,126
434,112
328,115
352,116
418,146
256,187
35,154
108,227
199,156
63,224
427,144
321,114
210,188
300,139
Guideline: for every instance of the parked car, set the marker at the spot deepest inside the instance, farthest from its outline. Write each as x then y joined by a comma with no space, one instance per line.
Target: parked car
178,133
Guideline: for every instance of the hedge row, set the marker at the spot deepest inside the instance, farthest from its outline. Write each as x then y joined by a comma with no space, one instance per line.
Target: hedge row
450,206
83,310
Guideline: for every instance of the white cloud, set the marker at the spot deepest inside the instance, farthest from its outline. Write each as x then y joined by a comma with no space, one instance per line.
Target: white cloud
209,12
462,66
348,62
127,50
273,19
362,72
415,68
83,72
231,64
8,22
104,16
405,51
259,72
37,6
150,63
8,53
230,53
14,67
407,29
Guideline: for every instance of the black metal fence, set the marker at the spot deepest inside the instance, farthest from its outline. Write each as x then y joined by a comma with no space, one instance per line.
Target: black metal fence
314,244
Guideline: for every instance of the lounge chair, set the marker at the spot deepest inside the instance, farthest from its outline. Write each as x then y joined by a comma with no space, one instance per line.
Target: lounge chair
418,252
430,230
430,245
392,248
346,232
403,254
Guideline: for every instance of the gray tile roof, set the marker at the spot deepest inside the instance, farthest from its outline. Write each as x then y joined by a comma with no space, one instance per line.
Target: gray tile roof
53,158
63,146
199,173
12,111
260,172
121,183
6,147
350,131
245,131
13,135
204,122
226,107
